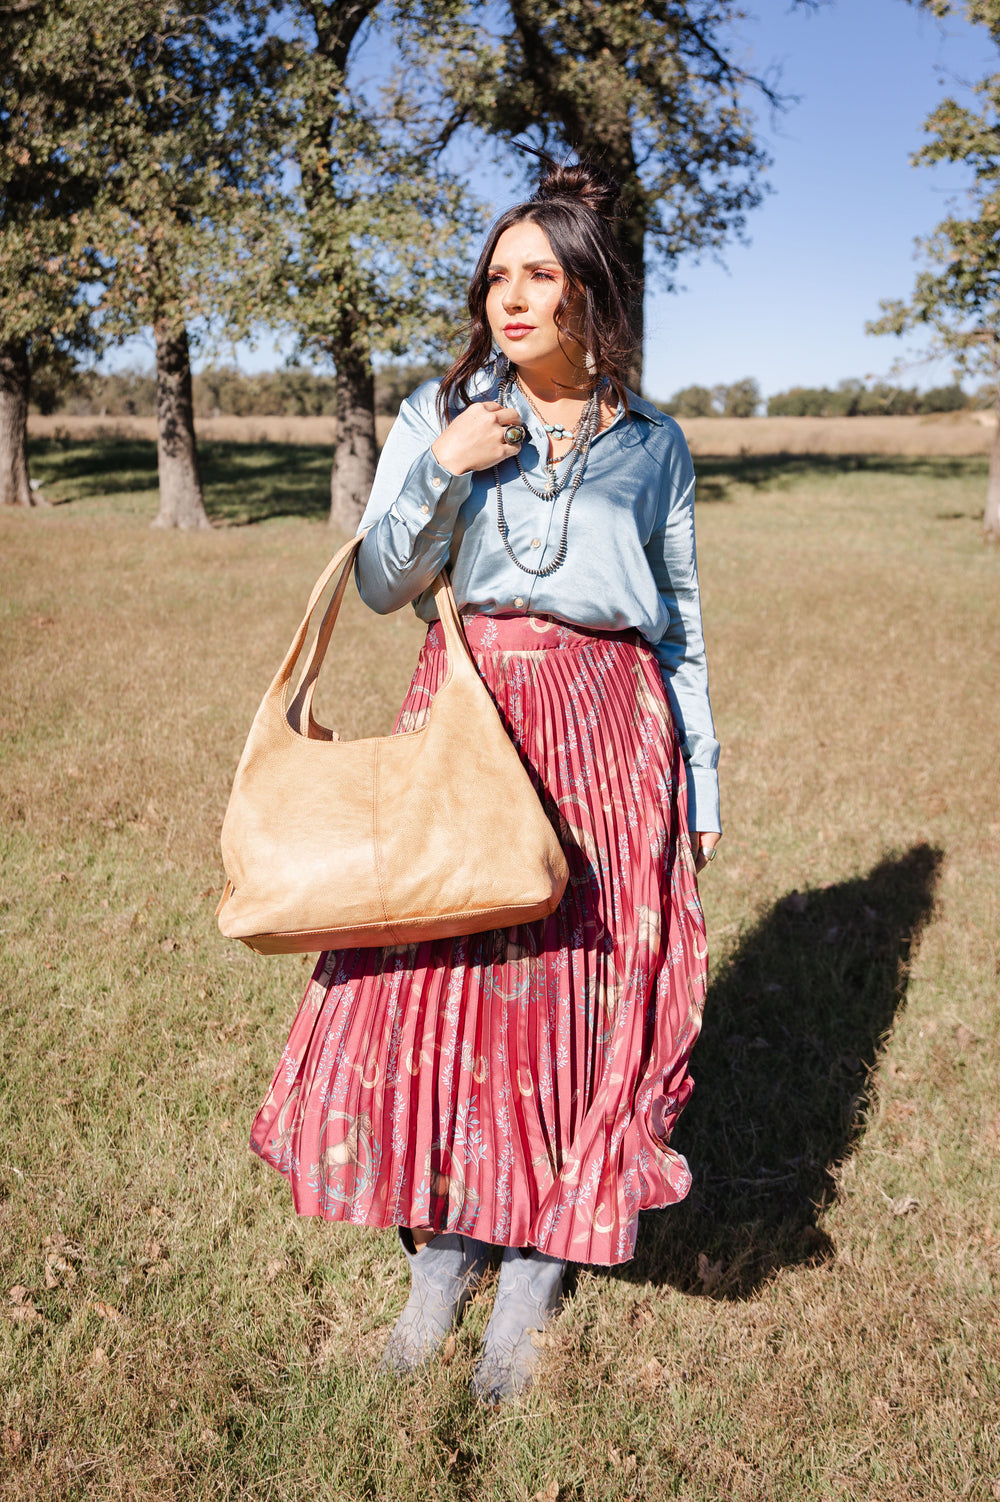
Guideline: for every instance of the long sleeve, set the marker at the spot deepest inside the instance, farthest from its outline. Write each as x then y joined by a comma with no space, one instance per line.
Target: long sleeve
681,650
411,511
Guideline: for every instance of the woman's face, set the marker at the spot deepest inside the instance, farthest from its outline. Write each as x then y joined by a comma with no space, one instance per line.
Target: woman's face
525,285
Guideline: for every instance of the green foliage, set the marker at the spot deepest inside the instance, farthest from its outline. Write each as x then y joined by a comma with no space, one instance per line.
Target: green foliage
55,69
218,391
741,399
855,399
184,226
654,92
292,392
395,381
957,296
379,234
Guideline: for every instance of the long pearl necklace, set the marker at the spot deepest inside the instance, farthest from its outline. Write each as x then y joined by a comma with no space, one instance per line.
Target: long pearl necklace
590,422
583,436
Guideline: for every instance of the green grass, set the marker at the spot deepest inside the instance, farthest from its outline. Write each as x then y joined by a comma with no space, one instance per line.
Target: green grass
797,1329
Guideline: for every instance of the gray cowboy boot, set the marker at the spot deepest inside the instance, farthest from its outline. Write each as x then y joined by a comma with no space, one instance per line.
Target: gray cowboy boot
528,1293
443,1278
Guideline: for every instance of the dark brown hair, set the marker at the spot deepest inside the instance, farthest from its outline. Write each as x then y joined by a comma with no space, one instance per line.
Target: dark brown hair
576,206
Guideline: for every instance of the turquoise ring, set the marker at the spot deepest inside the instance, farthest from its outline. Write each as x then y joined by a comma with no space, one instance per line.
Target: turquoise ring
514,434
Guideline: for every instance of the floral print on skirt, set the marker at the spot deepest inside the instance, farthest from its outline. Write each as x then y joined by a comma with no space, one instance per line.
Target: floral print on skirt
521,1085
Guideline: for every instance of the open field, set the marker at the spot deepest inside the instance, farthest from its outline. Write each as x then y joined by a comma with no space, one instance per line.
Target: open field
951,433
819,1320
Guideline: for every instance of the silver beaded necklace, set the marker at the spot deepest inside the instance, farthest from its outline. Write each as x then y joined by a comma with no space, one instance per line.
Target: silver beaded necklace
583,436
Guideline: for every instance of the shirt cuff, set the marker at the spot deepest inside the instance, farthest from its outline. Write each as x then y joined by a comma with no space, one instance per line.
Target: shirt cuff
431,496
703,800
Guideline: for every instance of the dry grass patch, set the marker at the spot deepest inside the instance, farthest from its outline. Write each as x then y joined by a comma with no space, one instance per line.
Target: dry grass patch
817,1322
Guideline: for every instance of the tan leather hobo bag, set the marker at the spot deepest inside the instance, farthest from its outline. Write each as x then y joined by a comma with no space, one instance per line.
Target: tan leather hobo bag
424,835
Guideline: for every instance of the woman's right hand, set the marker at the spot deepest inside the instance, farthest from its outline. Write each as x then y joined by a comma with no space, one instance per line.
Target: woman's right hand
474,439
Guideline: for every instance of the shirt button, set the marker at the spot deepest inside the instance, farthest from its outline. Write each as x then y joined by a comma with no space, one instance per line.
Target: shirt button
519,603
436,482
536,542
426,510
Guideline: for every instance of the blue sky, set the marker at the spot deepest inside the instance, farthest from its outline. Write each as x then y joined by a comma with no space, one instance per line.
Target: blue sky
837,232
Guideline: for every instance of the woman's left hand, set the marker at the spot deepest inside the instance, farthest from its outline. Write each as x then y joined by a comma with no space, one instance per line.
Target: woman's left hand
703,847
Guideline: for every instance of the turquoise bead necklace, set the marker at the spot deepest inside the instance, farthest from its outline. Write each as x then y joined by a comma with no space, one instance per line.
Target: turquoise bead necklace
555,429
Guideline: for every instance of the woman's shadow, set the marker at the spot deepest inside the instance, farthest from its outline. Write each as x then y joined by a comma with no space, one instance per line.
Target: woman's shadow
785,1068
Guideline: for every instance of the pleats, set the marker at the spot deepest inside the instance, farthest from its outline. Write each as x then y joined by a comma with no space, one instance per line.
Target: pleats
521,1085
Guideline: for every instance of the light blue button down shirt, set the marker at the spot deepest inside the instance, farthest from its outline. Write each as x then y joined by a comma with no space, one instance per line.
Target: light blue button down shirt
630,561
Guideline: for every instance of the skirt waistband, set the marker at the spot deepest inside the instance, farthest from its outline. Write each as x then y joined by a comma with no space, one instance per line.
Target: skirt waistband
525,633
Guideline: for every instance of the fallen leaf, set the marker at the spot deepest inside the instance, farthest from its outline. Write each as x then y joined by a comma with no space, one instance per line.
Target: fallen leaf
107,1311
13,1440
209,1437
965,1037
21,1306
641,1316
448,1350
275,1266
154,1251
58,1270
904,1205
795,902
550,1494
709,1273
99,1357
169,946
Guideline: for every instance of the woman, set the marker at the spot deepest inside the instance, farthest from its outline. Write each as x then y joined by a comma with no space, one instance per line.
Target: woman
518,1088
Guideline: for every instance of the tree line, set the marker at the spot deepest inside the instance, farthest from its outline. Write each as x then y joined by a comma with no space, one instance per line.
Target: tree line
217,391
852,398
295,391
228,166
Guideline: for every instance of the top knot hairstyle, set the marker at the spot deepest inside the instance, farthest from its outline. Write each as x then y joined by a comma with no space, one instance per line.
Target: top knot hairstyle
576,205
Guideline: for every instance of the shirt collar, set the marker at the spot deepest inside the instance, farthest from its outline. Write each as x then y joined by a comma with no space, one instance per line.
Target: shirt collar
645,409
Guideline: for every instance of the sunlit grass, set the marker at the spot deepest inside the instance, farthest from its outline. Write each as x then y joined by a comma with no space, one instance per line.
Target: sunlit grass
818,1321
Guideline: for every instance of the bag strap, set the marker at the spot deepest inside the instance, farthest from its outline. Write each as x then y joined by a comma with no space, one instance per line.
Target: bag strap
299,713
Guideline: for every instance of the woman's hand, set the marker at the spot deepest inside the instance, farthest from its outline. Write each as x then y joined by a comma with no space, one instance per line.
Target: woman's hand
702,846
474,440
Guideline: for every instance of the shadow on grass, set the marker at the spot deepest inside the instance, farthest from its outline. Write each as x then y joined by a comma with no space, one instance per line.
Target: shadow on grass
785,1071
244,482
254,482
782,471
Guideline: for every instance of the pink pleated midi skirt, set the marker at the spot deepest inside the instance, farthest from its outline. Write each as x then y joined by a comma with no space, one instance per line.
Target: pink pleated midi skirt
521,1085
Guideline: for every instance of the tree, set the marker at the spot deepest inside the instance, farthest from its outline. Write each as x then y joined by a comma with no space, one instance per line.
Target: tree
52,73
650,89
957,295
183,227
379,244
741,399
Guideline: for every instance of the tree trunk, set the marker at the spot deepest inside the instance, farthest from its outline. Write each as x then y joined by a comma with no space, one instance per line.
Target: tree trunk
181,501
632,238
15,384
991,516
356,453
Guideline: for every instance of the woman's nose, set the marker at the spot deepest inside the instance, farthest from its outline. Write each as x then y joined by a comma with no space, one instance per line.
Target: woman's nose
513,297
